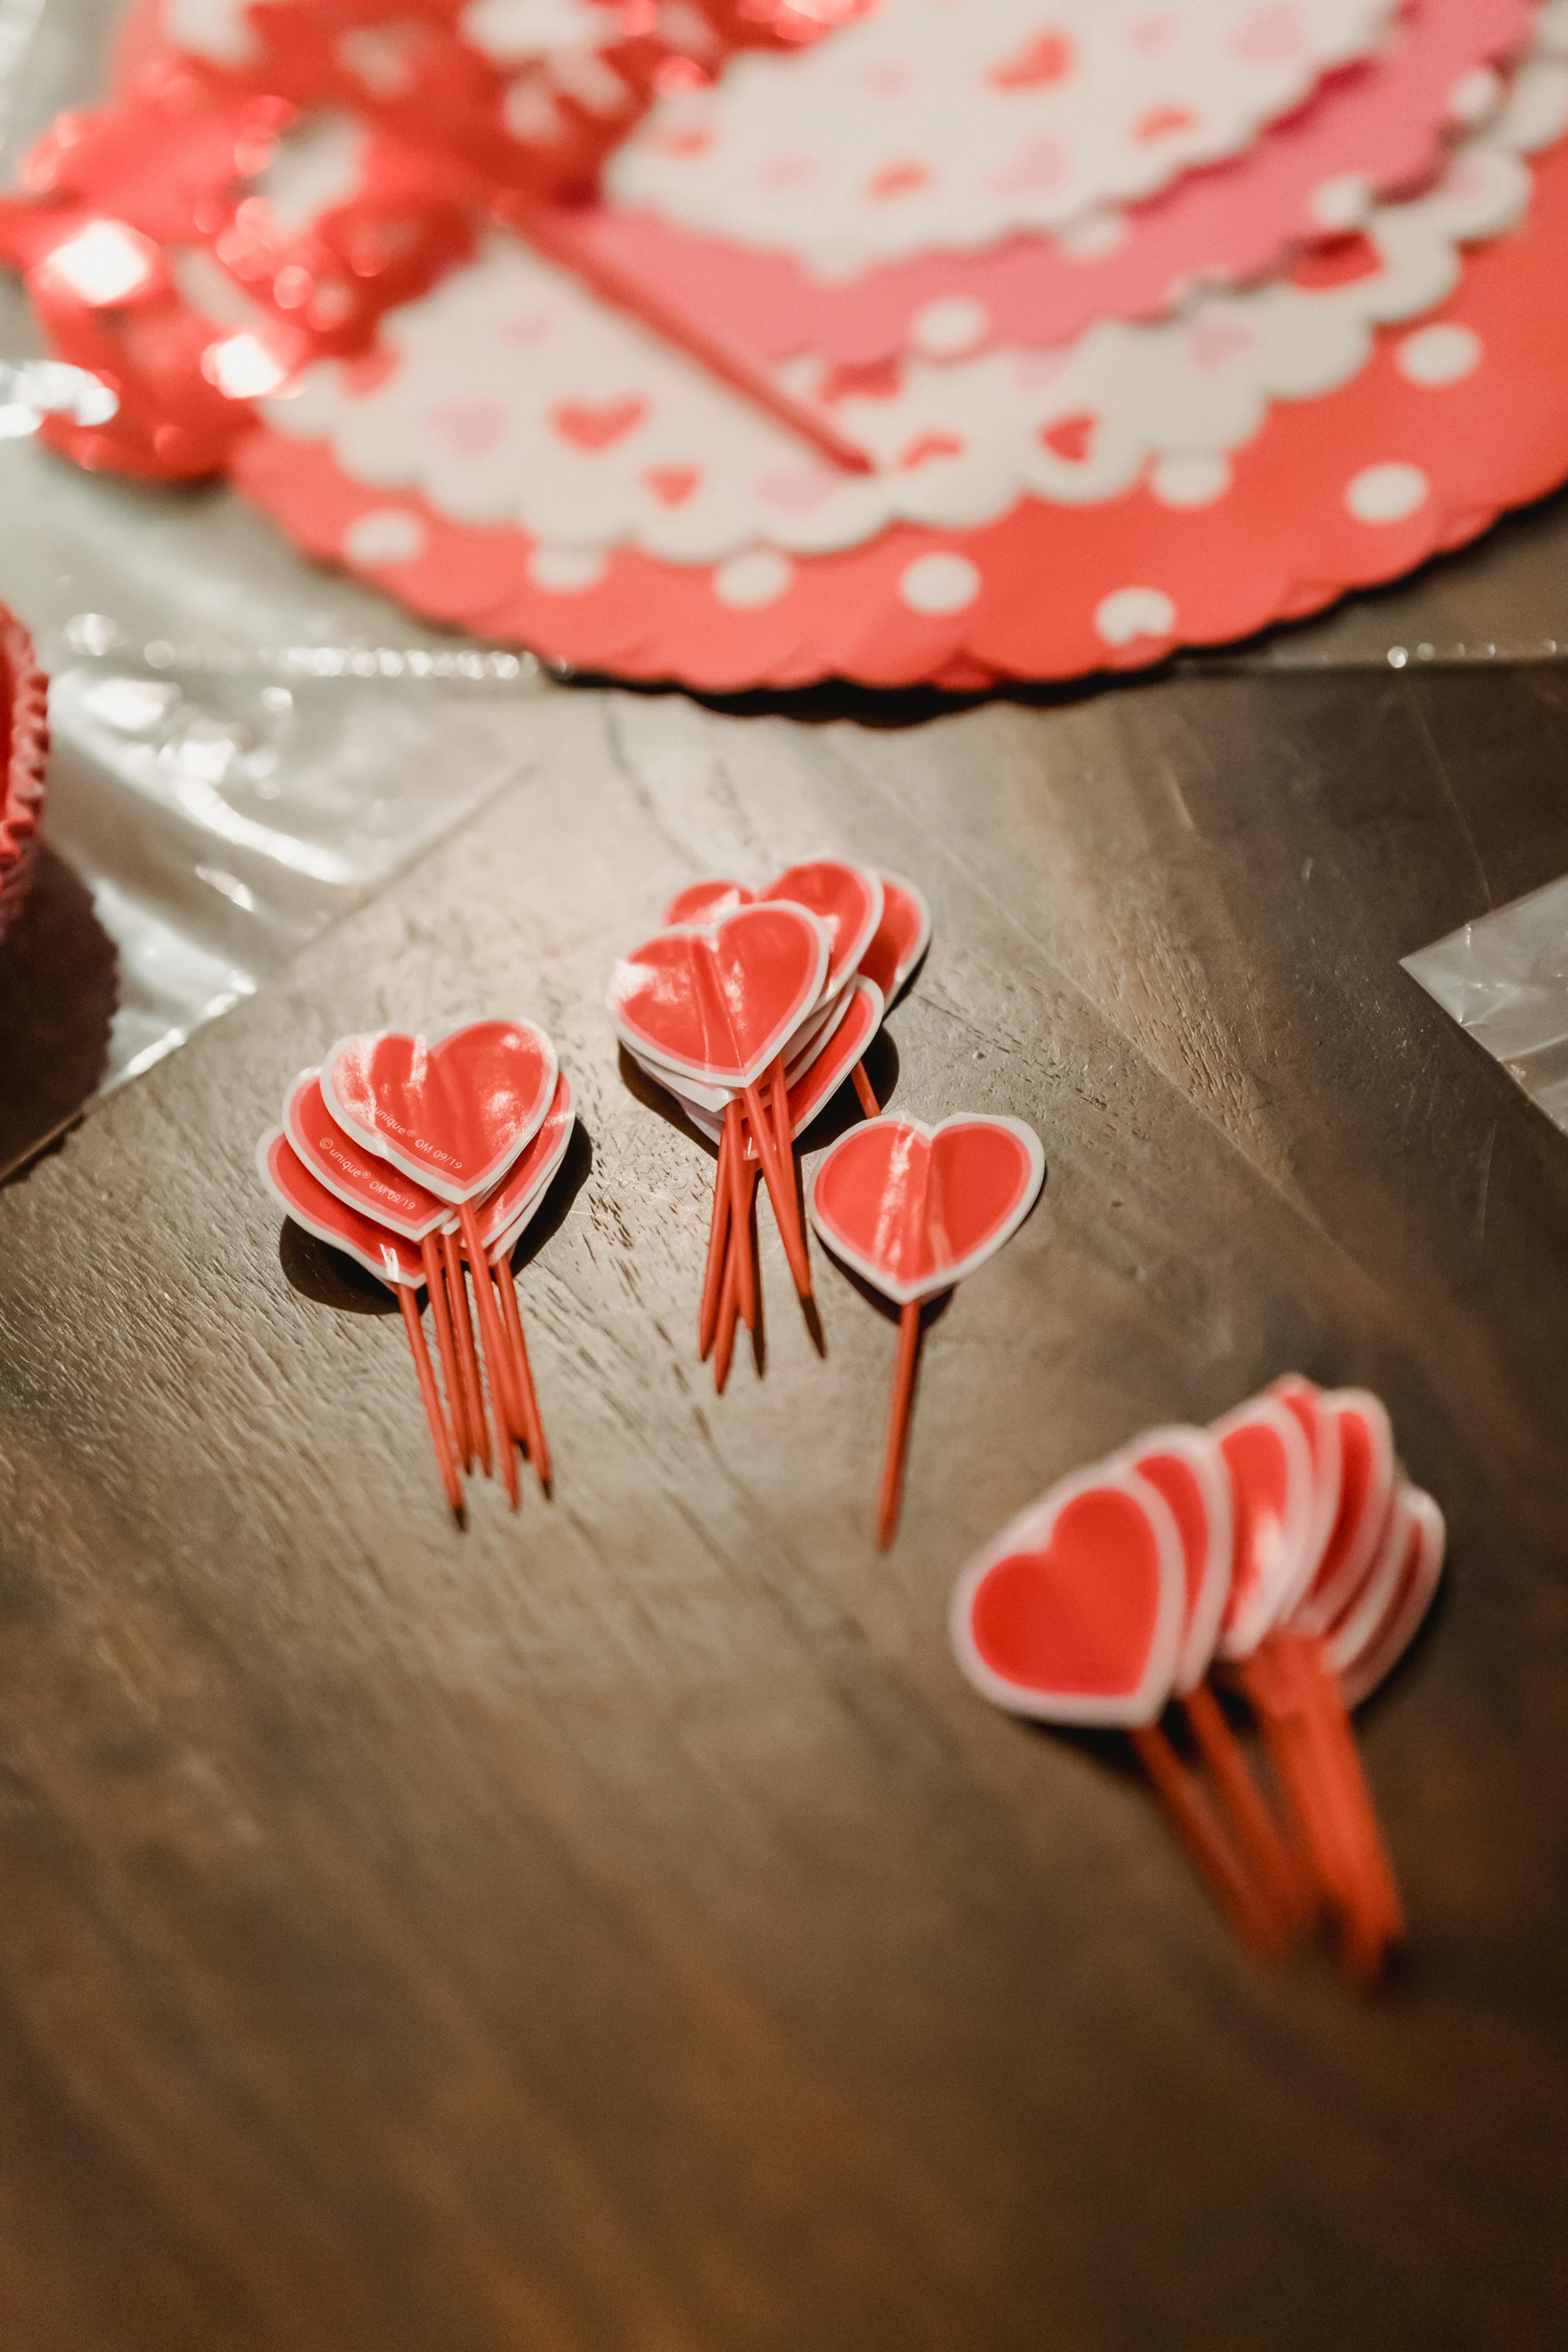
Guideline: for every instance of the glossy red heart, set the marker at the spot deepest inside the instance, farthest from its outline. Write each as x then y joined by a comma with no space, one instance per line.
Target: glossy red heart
707,901
361,1177
1185,1468
503,1214
1074,1614
718,1002
901,937
915,1208
1424,1566
454,1115
385,1254
1366,1491
1320,1428
848,899
1270,1466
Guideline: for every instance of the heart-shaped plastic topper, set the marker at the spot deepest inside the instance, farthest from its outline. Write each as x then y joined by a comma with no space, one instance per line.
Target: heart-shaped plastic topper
821,1074
1366,1494
503,1214
1304,1401
916,1208
370,1185
303,1197
901,938
717,1002
454,1114
848,899
1384,1580
1270,1466
1074,1614
1424,1566
1186,1469
707,901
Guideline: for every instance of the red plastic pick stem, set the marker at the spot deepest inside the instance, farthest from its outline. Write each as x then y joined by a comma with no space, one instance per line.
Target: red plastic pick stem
440,1442
740,1212
523,1371
1274,1867
1375,1921
1207,1846
467,1355
864,1088
494,1346
446,1345
728,1318
781,1191
898,1424
718,1240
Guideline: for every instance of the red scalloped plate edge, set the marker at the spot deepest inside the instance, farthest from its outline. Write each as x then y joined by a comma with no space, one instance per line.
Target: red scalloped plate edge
26,750
1282,544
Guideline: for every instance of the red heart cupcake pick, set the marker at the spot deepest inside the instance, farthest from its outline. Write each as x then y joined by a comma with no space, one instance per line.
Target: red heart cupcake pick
716,1002
1074,1614
1369,1608
503,1214
1270,1466
1320,1428
849,900
707,901
1185,1466
1424,1568
388,1255
453,1114
358,1176
1186,1469
1366,1491
901,937
383,1194
915,1208
821,1072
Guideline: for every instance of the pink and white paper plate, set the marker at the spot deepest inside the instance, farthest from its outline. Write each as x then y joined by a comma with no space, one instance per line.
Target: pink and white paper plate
1454,417
1377,127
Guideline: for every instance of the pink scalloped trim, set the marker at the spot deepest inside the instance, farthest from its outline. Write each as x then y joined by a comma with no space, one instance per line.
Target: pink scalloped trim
1056,591
26,749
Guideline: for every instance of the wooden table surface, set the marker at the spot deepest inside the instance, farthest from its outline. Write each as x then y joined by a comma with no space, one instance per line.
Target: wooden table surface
622,1926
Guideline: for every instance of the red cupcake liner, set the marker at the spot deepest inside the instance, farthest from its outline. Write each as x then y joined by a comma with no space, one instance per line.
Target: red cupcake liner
24,758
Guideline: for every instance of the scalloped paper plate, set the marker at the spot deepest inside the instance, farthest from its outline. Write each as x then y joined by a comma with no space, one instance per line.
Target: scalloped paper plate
1455,417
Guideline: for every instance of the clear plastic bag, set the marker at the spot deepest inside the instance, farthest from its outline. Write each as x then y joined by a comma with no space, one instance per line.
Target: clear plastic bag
1505,980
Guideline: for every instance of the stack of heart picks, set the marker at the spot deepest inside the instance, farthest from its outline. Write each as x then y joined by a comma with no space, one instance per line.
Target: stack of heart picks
751,1009
911,1209
424,1163
1282,1547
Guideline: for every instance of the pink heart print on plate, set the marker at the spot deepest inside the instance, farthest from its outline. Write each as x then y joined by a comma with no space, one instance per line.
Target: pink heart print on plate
361,1177
504,1212
1074,1614
454,1114
915,1208
303,1197
716,1002
848,898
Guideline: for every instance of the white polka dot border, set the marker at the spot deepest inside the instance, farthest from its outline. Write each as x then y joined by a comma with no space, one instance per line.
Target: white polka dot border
565,571
1128,614
1381,494
385,535
1340,203
939,583
747,582
1439,354
1192,481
